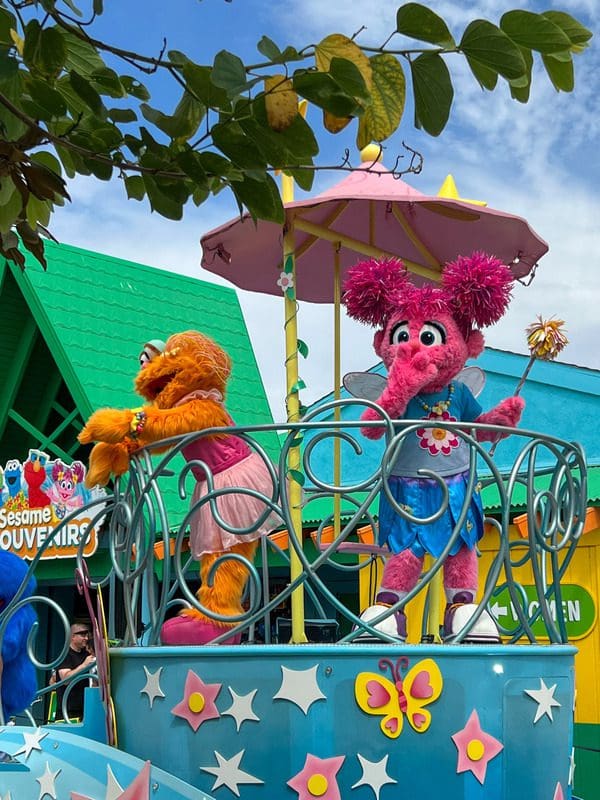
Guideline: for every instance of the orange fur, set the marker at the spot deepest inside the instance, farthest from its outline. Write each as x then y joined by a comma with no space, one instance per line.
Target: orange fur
191,361
224,596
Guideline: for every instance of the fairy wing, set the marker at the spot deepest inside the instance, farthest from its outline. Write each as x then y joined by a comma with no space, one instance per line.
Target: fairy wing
364,385
370,385
421,686
378,696
473,378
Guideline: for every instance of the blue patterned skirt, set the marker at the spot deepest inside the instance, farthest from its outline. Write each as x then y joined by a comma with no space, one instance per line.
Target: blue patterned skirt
421,498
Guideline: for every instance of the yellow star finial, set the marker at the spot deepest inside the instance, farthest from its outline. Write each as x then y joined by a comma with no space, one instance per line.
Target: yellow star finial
448,189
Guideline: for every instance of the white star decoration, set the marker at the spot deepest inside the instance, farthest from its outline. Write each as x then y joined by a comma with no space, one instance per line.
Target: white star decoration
374,774
572,767
7,795
241,708
32,742
229,774
152,687
113,788
300,686
46,782
544,697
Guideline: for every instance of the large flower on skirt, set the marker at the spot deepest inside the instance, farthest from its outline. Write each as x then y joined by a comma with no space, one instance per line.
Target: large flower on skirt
438,440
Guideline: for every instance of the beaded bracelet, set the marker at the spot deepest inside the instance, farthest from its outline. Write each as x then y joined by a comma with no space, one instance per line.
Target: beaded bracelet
138,421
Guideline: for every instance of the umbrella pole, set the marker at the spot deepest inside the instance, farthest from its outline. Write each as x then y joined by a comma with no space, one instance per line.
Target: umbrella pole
337,378
298,635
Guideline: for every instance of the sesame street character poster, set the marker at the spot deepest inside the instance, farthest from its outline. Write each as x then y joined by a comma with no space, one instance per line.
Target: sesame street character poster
35,497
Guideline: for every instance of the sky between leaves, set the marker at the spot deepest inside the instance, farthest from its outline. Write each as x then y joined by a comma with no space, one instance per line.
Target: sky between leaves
537,160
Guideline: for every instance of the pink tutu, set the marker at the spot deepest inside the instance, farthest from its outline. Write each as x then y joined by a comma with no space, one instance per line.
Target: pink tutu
237,509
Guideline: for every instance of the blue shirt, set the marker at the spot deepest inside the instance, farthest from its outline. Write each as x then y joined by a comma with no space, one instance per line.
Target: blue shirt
437,449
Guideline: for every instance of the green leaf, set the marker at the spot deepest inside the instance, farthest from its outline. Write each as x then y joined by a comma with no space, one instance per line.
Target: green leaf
10,210
288,264
321,89
294,146
44,50
302,347
9,67
82,56
184,121
578,35
520,88
349,78
162,202
134,88
486,77
534,31
47,98
488,45
107,82
135,187
7,22
303,177
98,7
419,22
297,386
86,92
38,211
233,142
560,73
290,293
432,88
261,198
297,440
297,476
122,114
268,48
189,162
229,73
200,83
388,94
47,160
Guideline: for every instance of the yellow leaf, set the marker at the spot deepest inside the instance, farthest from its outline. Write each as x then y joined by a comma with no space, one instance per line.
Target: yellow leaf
388,94
19,42
335,124
281,102
339,46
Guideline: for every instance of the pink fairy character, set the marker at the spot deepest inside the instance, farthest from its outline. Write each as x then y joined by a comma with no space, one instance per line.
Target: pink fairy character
425,335
63,491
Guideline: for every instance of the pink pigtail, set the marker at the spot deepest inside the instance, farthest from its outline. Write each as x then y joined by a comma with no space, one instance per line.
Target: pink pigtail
479,288
58,468
369,289
78,471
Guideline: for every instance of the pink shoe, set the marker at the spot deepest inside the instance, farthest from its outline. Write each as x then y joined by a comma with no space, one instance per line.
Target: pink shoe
189,630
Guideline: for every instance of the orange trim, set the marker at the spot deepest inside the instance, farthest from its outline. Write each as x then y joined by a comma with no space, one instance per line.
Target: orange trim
592,522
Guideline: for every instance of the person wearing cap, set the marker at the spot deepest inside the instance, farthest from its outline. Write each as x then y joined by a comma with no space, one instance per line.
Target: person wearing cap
76,661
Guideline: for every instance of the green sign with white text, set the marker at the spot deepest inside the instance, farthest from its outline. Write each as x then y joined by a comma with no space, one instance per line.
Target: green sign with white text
578,609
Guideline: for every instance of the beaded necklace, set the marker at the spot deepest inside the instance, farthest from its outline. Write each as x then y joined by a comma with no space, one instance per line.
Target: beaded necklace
440,406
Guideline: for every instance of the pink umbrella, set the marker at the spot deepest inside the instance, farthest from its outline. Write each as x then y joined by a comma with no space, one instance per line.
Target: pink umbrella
369,212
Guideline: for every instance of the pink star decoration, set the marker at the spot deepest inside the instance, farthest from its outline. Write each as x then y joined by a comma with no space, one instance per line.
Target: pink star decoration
475,748
138,789
198,702
558,793
317,779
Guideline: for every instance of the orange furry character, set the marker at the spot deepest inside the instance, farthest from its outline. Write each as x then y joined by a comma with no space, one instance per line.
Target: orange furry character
185,385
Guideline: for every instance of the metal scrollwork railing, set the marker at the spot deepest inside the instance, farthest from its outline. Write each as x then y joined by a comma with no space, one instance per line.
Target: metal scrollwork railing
152,506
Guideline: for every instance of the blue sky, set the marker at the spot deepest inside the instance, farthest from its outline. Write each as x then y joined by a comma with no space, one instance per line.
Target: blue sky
538,161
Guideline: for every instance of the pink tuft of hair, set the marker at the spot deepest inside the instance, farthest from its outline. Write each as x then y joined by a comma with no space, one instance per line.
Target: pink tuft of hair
479,288
369,289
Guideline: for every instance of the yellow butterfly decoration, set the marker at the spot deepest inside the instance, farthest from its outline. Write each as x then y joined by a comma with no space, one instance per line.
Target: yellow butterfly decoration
404,696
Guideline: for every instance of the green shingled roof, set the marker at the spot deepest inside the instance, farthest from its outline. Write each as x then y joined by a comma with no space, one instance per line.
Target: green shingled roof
71,336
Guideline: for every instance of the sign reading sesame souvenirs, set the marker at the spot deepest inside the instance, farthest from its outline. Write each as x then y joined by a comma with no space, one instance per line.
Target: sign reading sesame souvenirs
39,496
